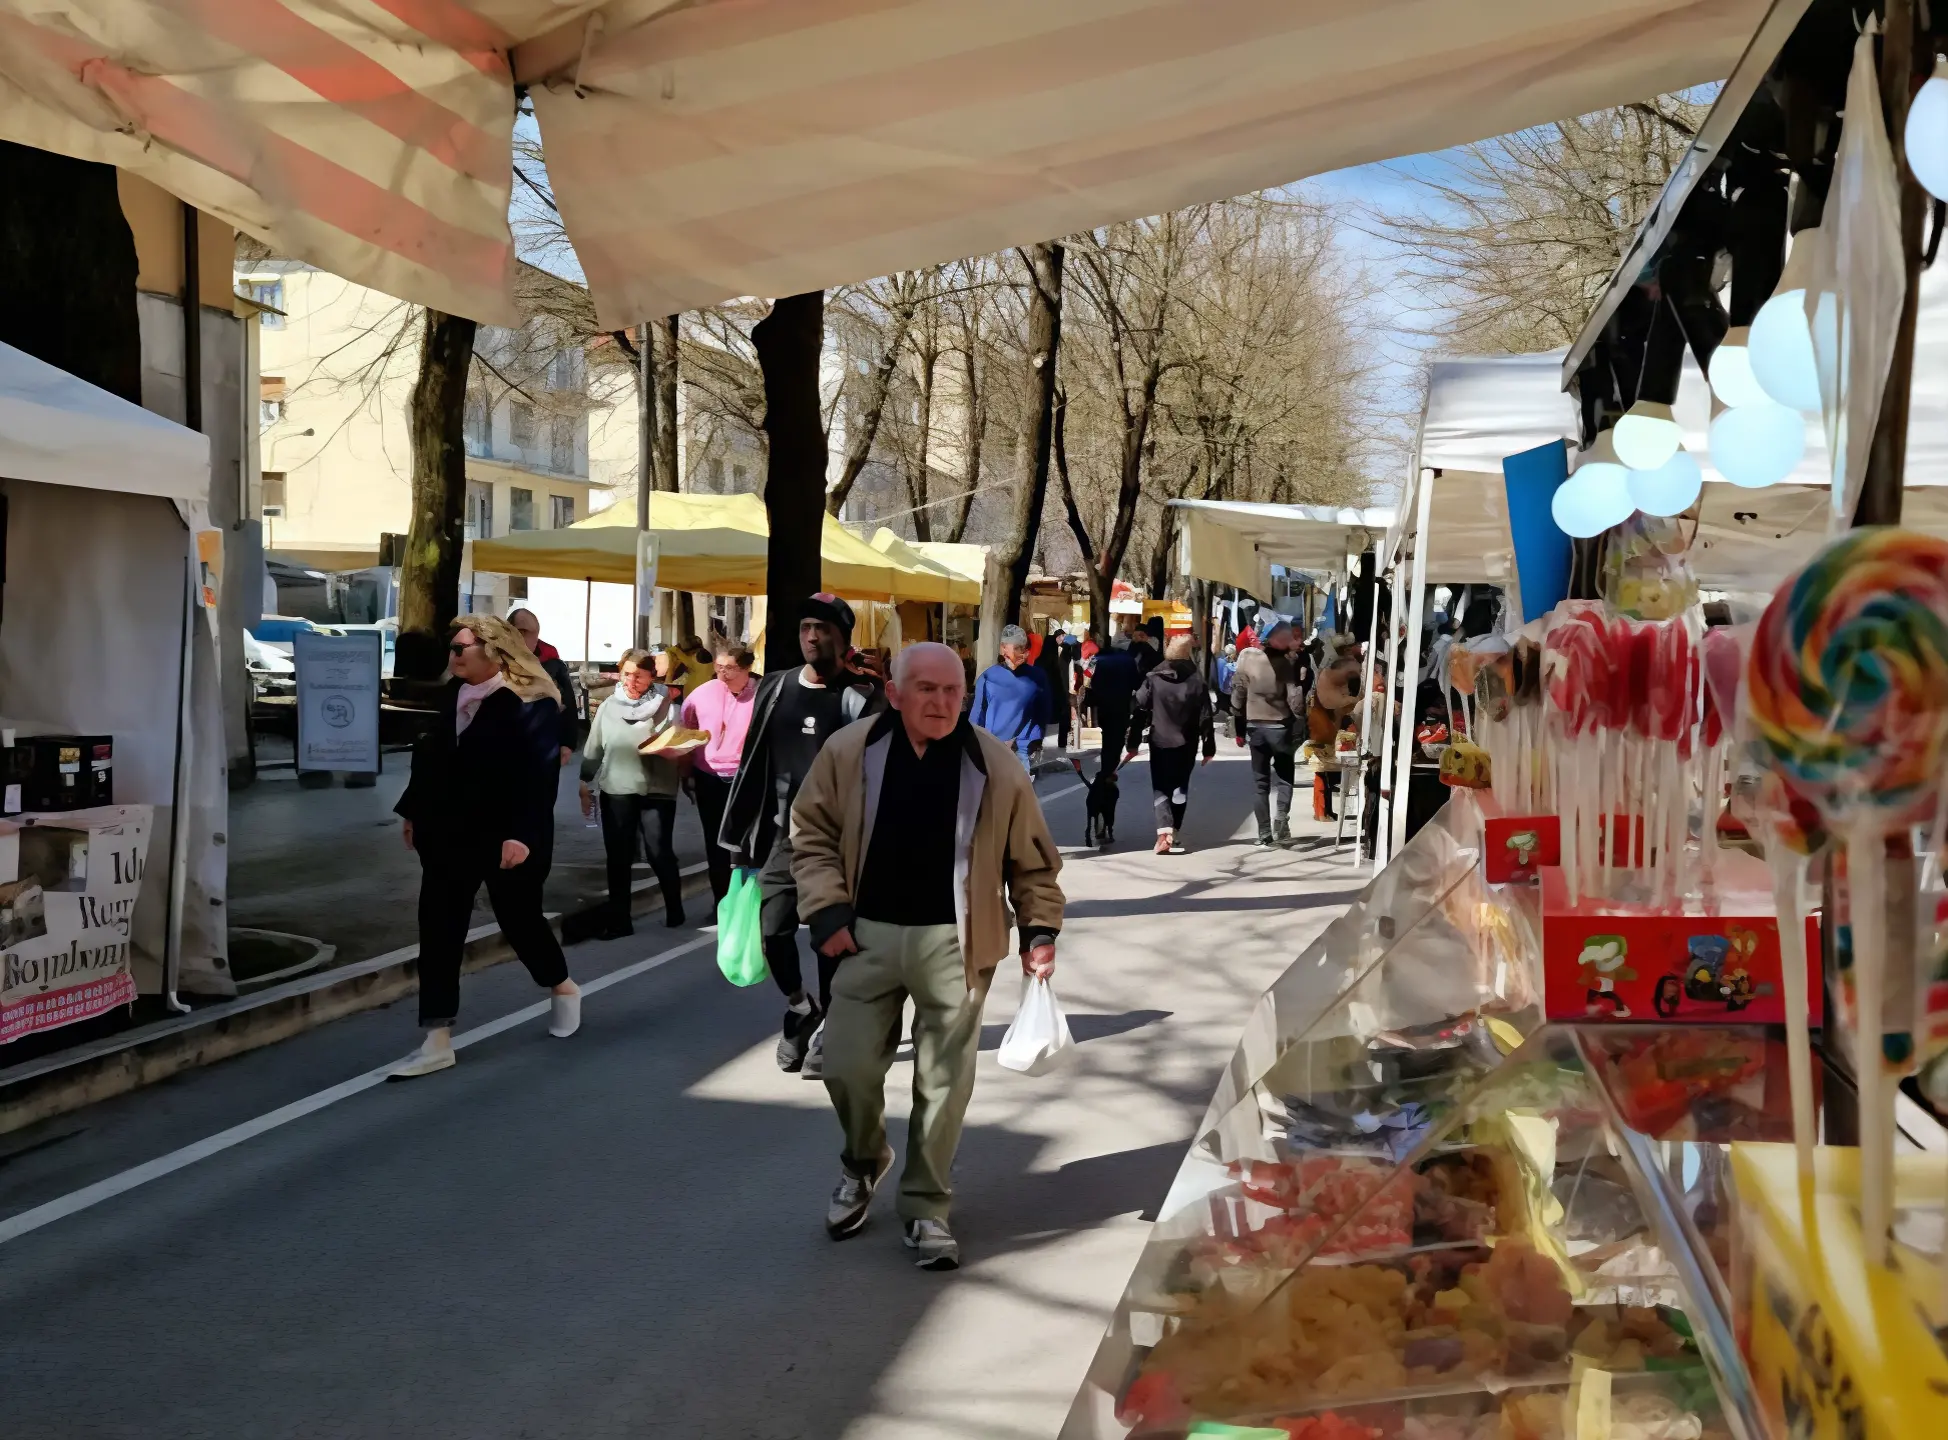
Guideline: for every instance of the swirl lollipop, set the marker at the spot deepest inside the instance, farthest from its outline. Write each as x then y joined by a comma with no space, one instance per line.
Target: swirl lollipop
1846,688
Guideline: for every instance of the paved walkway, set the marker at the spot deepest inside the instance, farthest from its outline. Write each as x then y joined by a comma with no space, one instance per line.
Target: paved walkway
619,1235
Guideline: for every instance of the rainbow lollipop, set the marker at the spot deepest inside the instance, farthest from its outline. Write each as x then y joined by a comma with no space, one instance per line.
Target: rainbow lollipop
1847,690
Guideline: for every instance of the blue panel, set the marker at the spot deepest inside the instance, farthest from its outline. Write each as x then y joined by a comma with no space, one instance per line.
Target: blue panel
1541,548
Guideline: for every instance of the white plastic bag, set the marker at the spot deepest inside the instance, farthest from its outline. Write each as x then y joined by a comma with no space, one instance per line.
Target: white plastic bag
1038,1041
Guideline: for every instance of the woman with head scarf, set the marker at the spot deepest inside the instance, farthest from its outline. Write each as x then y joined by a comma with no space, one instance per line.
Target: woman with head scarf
478,810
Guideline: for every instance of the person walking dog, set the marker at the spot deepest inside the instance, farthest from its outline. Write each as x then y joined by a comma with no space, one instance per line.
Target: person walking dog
476,810
636,793
1174,704
905,837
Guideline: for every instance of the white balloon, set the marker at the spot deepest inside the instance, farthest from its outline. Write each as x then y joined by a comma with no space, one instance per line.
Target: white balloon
1647,436
1731,375
1670,489
1757,445
1781,352
1927,133
1592,500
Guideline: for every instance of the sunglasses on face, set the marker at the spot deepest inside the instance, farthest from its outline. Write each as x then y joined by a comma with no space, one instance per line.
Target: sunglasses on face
456,648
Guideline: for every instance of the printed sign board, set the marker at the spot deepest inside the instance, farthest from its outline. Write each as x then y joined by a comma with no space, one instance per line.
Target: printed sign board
338,700
64,918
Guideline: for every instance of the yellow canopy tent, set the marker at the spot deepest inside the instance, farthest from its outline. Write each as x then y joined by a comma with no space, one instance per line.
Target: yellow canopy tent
952,587
710,544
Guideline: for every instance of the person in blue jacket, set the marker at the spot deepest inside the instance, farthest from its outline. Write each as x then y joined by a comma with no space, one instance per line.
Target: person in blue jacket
1011,699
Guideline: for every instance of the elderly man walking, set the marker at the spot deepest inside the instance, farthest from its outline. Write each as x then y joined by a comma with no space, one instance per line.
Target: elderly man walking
904,836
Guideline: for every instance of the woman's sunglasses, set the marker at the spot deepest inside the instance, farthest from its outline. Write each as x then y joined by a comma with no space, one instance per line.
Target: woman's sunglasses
456,648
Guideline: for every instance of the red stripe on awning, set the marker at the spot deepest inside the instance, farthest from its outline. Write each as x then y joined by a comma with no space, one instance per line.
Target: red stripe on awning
478,40
351,79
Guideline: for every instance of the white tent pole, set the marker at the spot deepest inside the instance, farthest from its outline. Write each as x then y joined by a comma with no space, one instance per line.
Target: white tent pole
172,944
1366,699
1383,833
1410,662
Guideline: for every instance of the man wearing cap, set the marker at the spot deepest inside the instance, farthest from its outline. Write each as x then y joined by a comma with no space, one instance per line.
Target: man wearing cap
795,713
1267,700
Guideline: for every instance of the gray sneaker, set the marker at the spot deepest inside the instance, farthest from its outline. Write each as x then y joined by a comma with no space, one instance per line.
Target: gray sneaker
846,1215
814,1066
935,1242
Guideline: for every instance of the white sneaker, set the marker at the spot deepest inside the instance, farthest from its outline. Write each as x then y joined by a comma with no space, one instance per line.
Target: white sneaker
424,1061
935,1242
564,1015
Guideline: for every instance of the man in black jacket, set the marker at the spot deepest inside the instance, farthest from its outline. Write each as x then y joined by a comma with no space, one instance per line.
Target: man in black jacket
795,713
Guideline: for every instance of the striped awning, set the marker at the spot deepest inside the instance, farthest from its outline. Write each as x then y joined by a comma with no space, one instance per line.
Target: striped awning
718,148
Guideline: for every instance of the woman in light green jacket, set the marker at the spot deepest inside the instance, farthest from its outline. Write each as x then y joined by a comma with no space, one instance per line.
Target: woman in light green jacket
635,792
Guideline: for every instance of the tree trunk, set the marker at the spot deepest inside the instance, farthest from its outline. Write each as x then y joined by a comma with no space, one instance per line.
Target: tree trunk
1032,454
863,427
788,342
67,269
664,348
976,411
1160,558
429,578
917,474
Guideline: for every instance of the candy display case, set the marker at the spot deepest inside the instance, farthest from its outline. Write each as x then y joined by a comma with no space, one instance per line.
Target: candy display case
1473,1255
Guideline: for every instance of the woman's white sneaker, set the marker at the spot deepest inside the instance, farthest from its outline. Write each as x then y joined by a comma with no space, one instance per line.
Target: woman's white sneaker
564,1015
424,1061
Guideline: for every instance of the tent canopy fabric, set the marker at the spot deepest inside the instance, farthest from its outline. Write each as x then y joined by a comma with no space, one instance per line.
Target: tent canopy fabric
709,544
1480,411
953,588
61,430
1234,542
718,148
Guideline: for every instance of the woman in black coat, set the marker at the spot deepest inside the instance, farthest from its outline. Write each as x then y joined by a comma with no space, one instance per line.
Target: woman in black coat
1175,705
479,809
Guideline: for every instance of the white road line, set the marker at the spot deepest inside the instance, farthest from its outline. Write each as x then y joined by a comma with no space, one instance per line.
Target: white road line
89,1196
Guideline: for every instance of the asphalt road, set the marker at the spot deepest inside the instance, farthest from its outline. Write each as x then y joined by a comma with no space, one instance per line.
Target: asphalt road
619,1234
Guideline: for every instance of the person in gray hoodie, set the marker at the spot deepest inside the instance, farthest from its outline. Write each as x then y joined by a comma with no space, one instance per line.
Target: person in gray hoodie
636,793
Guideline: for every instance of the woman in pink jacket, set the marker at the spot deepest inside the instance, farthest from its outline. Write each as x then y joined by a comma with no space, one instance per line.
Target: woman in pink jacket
722,707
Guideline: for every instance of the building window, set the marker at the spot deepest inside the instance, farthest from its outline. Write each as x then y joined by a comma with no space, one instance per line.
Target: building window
480,511
561,445
564,371
270,400
738,475
520,424
267,292
273,496
517,587
480,424
716,475
520,509
561,511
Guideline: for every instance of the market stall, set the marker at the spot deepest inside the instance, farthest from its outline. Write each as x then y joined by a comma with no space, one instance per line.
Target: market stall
111,866
1612,1106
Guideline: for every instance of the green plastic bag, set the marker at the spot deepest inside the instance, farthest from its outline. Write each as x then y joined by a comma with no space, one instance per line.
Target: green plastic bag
740,941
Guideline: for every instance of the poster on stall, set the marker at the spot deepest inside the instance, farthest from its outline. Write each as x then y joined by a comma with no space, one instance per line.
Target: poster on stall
64,917
338,700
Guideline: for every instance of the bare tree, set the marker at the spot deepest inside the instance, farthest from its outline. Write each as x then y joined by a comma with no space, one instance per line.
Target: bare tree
1042,356
1511,248
881,314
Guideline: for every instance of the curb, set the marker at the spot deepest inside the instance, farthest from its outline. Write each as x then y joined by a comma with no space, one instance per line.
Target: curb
56,1084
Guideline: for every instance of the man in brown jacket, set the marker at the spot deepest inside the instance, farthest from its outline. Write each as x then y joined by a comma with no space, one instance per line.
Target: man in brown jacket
903,837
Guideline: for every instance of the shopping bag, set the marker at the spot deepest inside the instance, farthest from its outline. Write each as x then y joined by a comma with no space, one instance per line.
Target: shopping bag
1038,1041
740,942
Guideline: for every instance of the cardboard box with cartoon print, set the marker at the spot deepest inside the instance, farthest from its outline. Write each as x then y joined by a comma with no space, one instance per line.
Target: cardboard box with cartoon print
1713,957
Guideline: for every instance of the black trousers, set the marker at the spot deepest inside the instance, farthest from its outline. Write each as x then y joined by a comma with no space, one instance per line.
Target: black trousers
1114,717
713,794
1170,771
645,820
1272,750
778,921
449,878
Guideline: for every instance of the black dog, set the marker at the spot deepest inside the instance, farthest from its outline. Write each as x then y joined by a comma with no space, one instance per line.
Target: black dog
1099,823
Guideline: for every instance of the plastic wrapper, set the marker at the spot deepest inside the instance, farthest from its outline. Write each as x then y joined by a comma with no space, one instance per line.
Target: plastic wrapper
1646,573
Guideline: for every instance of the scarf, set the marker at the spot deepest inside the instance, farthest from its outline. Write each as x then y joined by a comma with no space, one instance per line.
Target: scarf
645,707
468,704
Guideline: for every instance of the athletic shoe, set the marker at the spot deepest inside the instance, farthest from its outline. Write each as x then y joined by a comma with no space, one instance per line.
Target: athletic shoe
424,1061
846,1215
564,1015
796,1037
1177,849
1264,842
814,1066
935,1242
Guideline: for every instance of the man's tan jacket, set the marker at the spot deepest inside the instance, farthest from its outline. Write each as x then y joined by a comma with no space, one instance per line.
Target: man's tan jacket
1000,839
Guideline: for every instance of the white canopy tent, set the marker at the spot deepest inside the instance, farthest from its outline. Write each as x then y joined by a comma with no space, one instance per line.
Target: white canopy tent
702,151
1453,522
1234,542
103,632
